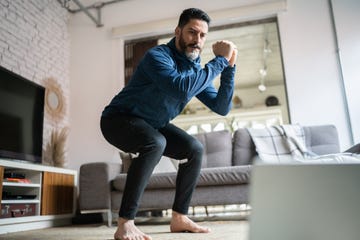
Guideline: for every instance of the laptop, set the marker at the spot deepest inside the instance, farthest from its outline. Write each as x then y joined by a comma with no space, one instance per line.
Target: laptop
305,202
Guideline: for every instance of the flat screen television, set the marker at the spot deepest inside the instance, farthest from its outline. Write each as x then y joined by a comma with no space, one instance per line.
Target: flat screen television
21,118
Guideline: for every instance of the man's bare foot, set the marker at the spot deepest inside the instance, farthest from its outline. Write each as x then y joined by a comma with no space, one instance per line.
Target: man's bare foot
128,231
181,223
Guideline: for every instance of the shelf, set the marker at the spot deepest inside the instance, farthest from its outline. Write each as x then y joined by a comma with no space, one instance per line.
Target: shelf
13,184
20,201
55,191
238,118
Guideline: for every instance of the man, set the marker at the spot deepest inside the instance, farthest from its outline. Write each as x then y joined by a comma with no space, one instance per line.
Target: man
137,118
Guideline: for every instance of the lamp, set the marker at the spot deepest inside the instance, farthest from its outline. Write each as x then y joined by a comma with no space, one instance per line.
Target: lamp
263,71
262,87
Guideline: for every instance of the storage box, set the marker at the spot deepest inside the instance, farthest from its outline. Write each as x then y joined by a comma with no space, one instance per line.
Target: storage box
17,210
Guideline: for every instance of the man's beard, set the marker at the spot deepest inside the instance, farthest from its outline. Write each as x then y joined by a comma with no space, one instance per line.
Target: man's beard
195,49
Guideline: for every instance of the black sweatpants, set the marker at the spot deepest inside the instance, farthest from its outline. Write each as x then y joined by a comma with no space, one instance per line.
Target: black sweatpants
133,134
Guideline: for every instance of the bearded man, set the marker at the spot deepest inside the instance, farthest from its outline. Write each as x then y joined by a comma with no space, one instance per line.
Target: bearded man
137,120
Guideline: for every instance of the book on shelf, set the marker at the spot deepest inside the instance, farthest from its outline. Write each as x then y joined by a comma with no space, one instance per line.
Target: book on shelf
17,180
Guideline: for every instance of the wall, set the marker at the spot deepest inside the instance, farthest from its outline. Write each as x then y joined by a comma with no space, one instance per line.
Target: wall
96,67
346,19
311,70
34,43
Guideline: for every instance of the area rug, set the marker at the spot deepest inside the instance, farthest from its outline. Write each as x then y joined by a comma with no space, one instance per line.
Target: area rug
224,230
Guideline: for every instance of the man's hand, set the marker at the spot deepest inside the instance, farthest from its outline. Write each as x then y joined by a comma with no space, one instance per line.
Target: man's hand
233,58
224,48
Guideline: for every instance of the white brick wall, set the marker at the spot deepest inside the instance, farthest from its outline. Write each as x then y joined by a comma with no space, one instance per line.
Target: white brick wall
34,43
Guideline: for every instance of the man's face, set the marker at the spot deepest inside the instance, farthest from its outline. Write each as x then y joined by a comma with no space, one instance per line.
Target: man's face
191,38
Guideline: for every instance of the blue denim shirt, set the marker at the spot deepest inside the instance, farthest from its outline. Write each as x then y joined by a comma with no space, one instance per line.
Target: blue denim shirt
166,80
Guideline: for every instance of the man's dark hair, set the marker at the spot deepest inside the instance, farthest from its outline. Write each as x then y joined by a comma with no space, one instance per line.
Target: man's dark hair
193,13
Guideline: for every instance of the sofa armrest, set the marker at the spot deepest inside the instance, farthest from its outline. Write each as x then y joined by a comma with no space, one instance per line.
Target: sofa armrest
354,149
322,139
94,184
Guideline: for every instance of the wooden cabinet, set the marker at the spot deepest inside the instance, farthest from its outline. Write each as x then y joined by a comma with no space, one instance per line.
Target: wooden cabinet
47,195
57,193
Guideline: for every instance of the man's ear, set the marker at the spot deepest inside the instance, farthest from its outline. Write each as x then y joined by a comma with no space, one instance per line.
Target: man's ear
177,31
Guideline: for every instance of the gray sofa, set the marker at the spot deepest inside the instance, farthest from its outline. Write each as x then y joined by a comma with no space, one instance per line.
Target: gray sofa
224,177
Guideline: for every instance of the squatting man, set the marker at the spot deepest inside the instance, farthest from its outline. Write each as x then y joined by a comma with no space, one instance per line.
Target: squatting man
137,120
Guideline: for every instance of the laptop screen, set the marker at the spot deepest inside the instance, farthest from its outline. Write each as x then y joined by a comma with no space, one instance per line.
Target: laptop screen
305,202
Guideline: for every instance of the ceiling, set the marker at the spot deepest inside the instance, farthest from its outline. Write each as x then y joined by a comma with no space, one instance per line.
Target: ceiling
85,6
73,4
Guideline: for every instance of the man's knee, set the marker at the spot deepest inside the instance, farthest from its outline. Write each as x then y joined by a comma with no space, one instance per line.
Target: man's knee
195,151
196,147
157,144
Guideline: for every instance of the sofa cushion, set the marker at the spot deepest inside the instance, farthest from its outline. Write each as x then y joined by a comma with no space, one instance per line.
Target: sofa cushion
224,176
243,148
208,177
217,148
157,181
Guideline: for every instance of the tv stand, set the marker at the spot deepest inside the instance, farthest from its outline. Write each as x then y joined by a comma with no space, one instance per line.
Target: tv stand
52,201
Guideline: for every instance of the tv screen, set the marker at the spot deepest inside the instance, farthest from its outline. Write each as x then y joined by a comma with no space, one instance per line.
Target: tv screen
21,117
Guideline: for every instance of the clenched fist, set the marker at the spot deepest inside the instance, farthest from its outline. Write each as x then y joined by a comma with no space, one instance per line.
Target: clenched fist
224,48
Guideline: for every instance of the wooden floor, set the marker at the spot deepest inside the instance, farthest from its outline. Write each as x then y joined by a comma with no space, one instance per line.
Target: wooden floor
224,230
225,222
